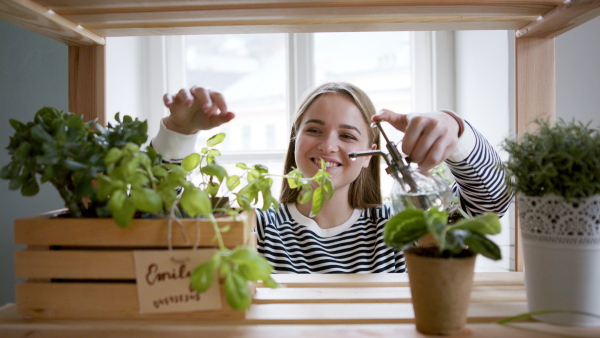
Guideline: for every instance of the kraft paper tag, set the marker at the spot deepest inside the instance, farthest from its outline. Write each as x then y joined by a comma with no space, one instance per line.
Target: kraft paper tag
163,281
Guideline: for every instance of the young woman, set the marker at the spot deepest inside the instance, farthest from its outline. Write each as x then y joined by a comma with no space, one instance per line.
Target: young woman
333,121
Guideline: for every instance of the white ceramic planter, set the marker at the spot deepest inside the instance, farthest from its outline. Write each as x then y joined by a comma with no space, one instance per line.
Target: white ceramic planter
561,244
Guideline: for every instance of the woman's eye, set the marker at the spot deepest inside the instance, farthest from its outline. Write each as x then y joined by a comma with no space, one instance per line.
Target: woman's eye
349,136
312,130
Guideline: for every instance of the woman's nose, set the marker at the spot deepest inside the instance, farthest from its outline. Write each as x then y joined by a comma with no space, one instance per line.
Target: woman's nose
329,144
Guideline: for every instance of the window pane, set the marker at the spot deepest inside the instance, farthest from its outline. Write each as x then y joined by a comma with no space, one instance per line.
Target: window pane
378,63
250,71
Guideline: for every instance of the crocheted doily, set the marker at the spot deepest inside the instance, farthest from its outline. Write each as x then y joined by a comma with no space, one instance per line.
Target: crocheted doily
552,219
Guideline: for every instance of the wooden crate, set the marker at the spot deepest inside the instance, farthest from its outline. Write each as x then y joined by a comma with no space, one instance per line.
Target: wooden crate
84,268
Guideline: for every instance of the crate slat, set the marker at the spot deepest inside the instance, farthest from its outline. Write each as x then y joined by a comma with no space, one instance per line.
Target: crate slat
95,300
74,264
44,230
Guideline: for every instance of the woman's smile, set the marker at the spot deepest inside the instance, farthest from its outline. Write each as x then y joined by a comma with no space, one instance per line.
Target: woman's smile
331,128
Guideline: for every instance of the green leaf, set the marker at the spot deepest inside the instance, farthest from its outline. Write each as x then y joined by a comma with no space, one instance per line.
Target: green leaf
191,162
233,181
17,126
236,291
146,200
405,228
203,276
40,135
23,151
436,222
480,244
212,188
251,265
159,171
214,169
305,194
242,166
215,139
105,187
329,188
30,187
74,165
195,202
113,156
293,182
214,152
485,224
124,215
270,282
15,184
318,200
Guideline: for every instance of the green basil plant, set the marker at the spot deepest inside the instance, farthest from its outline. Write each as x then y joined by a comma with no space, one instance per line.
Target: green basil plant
101,172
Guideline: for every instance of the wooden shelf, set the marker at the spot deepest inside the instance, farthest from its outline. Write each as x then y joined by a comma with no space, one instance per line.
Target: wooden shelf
75,22
309,306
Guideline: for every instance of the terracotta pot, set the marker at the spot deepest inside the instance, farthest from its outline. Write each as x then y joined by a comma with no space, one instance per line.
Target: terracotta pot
440,289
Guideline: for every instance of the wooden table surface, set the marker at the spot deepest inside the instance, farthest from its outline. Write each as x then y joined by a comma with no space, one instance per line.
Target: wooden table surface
319,306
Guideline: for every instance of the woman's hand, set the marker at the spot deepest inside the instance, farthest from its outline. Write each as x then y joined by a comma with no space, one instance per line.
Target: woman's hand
428,138
196,109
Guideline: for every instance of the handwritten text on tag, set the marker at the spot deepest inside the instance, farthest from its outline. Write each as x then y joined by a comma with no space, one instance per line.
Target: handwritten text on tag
163,281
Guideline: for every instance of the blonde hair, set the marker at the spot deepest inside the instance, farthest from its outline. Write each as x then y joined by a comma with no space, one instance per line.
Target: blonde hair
365,191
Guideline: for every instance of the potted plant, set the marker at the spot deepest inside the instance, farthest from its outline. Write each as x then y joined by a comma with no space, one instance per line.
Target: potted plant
104,173
555,172
441,274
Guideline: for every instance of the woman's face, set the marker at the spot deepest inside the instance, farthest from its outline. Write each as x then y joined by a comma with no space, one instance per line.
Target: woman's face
331,128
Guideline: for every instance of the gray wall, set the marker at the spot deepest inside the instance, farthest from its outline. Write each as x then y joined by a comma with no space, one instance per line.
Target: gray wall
33,73
578,73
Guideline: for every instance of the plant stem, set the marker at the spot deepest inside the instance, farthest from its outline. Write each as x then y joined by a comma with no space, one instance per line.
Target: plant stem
215,225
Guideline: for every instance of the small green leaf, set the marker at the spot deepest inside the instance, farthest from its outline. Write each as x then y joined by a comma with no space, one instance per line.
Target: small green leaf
270,282
212,188
23,151
214,152
30,187
305,194
232,182
329,188
203,276
485,224
214,169
146,200
236,291
242,166
191,162
113,156
480,244
195,202
159,171
318,200
215,139
74,165
293,182
17,125
405,228
124,215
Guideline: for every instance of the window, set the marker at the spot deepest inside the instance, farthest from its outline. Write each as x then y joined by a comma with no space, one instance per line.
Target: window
263,77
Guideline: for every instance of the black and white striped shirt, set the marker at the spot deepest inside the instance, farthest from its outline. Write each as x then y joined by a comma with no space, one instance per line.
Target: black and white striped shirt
293,243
